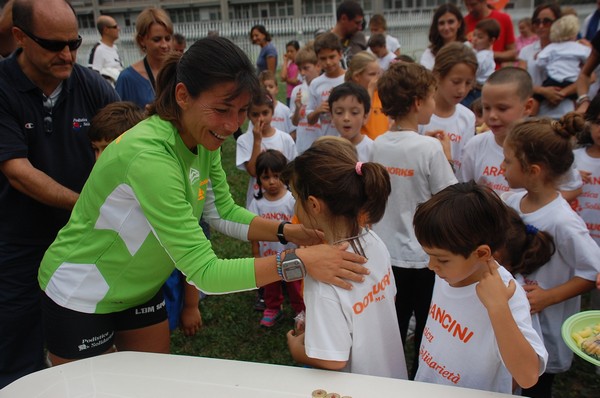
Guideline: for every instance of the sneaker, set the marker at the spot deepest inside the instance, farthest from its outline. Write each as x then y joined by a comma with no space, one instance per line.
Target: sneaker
259,304
270,317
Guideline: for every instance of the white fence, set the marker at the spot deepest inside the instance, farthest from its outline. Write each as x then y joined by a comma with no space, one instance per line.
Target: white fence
411,28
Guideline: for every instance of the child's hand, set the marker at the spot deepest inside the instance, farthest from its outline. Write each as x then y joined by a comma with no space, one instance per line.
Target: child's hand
491,290
372,86
586,176
258,129
444,139
553,95
323,108
295,343
191,320
537,297
298,99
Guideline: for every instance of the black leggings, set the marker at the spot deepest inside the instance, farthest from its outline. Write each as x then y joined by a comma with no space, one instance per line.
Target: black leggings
414,288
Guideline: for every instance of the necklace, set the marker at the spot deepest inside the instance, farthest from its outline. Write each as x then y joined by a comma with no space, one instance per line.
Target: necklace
400,128
355,242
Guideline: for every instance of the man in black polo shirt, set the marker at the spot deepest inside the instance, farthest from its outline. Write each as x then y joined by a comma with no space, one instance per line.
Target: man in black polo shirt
46,104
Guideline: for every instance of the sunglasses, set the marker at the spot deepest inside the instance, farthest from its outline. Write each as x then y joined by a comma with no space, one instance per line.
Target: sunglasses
544,21
113,27
54,45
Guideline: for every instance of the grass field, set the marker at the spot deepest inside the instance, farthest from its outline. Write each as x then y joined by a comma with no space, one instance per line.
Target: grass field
231,327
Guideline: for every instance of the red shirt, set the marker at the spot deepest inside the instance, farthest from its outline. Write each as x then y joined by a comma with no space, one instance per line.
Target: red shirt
507,32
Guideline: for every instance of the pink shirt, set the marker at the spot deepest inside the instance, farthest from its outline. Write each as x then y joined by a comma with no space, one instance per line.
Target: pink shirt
292,72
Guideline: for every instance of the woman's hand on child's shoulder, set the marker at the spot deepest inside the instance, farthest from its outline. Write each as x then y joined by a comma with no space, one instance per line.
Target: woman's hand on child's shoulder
333,264
491,289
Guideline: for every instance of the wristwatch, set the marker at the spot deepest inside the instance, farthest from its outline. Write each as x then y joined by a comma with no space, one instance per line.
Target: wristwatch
280,234
292,268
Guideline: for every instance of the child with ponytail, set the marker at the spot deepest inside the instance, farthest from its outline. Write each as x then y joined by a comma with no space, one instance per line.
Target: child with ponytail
537,153
355,330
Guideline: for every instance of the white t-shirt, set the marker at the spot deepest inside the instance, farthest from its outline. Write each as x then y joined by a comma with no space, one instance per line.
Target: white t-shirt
527,54
281,209
576,255
460,127
319,90
587,204
281,120
459,347
281,141
418,169
427,59
358,325
562,61
384,63
481,160
305,133
392,43
106,57
364,149
486,65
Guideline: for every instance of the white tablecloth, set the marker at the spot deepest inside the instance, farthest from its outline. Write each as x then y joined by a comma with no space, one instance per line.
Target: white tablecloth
144,375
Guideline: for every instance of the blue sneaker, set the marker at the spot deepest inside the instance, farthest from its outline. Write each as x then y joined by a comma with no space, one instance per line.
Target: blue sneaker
270,317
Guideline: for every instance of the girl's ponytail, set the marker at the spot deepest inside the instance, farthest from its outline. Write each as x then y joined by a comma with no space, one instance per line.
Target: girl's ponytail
377,185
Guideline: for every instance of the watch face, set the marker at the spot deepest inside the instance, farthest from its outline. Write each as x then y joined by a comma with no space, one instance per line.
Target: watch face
293,270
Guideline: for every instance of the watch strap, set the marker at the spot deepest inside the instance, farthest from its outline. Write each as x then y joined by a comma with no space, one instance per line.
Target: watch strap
280,234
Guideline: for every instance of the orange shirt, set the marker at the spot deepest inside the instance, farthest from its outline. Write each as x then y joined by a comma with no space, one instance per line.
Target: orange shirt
377,123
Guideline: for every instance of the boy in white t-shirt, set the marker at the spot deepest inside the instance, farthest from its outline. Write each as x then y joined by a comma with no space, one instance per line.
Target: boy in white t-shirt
309,69
418,168
378,47
484,36
378,24
479,332
328,48
350,105
506,99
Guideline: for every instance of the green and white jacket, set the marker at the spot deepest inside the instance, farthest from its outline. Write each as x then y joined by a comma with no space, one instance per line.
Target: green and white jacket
137,219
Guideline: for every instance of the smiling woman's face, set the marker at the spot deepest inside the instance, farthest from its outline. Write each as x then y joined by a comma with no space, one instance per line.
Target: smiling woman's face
258,38
211,117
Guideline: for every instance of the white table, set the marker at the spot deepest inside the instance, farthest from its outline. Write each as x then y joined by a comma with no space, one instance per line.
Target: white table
143,375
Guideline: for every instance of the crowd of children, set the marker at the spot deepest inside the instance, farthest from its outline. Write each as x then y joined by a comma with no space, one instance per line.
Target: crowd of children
489,267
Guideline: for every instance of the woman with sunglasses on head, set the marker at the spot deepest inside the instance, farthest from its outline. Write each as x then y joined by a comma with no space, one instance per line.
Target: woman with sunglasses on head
153,35
137,217
554,104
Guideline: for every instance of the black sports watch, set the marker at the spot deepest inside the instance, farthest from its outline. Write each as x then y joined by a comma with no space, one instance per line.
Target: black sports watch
292,268
280,235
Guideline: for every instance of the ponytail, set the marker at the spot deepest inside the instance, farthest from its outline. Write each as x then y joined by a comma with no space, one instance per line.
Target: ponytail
377,188
526,248
355,193
165,103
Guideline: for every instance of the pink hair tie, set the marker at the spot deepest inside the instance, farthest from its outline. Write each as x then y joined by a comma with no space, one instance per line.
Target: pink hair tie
358,168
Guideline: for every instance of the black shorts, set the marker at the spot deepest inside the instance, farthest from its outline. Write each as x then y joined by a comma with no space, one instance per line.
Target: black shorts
74,335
